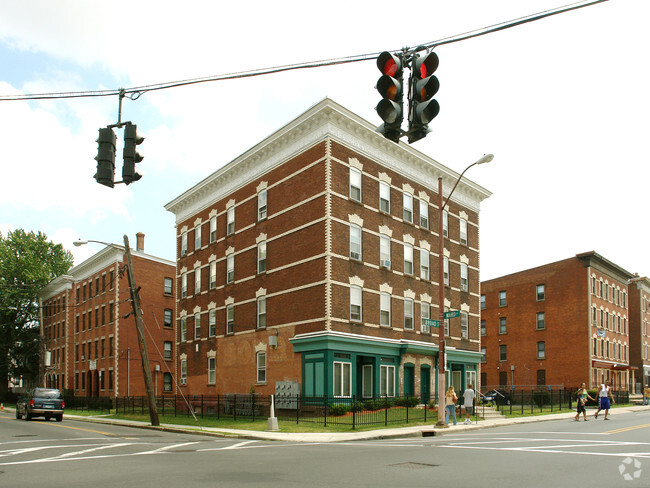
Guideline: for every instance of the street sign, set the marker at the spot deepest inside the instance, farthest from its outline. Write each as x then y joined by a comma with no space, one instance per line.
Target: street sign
452,313
432,323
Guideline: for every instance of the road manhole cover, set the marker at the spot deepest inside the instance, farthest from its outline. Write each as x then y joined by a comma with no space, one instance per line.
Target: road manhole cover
412,465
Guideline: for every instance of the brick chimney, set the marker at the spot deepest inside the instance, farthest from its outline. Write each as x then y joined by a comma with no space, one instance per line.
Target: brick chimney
139,241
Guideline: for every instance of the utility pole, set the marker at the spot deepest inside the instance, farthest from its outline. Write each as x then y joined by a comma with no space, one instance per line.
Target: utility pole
135,302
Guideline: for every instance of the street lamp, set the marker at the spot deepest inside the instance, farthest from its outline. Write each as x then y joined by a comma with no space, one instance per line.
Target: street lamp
441,291
139,325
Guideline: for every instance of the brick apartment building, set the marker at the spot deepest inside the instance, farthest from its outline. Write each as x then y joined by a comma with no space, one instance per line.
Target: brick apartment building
311,259
639,289
91,344
558,324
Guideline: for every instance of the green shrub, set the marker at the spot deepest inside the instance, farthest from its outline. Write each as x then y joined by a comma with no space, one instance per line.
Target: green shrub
337,410
373,405
407,402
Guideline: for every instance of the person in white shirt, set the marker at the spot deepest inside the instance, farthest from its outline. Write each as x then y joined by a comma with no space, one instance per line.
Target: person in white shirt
604,397
468,402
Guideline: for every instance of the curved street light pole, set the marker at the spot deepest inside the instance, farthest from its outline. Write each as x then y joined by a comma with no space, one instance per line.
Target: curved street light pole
139,325
441,291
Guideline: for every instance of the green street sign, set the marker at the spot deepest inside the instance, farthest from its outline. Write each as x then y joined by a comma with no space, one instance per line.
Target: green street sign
432,323
452,313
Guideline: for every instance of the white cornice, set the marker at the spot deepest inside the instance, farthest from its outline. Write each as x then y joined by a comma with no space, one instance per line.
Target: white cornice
327,119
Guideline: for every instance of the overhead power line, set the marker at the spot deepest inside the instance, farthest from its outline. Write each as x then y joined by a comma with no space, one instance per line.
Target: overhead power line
135,92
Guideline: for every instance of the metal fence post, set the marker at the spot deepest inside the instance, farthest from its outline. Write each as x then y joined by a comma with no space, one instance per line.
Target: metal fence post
354,412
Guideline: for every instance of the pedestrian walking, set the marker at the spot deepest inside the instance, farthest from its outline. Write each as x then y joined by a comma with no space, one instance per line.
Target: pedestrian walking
646,395
450,404
582,396
468,402
604,397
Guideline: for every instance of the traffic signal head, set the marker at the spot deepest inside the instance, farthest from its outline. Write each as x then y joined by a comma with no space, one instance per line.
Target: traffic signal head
390,87
131,156
424,85
105,157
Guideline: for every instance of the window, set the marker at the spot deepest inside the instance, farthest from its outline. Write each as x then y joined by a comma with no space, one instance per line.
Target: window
230,268
408,207
408,259
464,325
482,302
197,281
384,309
261,312
213,275
169,286
425,311
502,325
197,237
445,269
503,353
183,243
183,371
483,355
541,320
464,281
594,316
541,350
342,379
261,257
463,231
387,380
183,328
384,251
541,294
261,205
384,197
502,299
212,323
212,371
197,326
261,367
424,214
167,350
230,319
424,264
355,184
445,223
355,242
168,317
408,314
230,221
355,303
183,285
213,229
483,327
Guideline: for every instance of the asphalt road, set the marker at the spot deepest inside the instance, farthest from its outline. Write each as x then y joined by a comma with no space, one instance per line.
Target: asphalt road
540,454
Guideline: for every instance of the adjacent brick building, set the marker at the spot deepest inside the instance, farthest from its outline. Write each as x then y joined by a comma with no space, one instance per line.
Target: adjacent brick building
558,324
91,344
639,289
312,258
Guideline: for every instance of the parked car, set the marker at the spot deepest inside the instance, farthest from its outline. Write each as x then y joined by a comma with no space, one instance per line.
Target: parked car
41,402
497,396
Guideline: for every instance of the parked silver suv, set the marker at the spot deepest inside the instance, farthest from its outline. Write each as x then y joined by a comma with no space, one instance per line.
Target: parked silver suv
41,402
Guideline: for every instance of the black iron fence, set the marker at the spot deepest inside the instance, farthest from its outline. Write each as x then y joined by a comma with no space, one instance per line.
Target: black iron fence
541,400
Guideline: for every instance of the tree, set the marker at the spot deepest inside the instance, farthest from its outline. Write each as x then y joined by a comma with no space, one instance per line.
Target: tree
28,261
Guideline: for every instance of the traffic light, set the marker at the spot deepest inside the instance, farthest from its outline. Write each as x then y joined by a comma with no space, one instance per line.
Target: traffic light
424,85
105,157
131,156
390,87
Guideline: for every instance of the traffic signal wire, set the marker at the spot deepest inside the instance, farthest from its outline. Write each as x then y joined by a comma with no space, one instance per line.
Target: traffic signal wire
135,92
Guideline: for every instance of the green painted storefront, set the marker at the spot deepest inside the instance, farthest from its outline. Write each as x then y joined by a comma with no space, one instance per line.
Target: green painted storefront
342,365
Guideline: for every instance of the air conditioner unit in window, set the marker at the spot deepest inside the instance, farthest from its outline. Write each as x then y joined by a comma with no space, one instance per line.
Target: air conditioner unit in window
355,255
385,263
183,381
184,252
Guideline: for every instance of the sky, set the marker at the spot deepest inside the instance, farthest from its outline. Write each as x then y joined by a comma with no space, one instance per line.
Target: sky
562,103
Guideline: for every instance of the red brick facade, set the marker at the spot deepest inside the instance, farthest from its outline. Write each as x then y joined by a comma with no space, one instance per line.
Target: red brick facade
640,330
91,342
559,324
310,271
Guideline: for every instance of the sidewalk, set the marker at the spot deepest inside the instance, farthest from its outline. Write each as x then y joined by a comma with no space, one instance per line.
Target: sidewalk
320,437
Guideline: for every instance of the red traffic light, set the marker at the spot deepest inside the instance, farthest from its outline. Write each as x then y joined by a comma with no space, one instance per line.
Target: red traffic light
389,64
425,65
